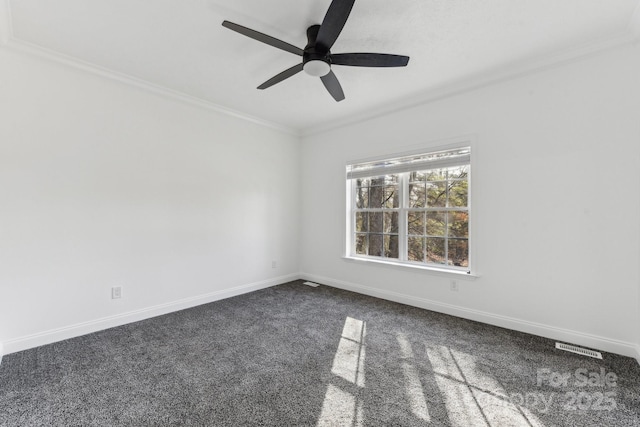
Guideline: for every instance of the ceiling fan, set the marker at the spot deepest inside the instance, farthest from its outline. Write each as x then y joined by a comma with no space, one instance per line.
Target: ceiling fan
317,58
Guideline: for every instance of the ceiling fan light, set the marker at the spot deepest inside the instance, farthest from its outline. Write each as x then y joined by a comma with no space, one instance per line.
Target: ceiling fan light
317,68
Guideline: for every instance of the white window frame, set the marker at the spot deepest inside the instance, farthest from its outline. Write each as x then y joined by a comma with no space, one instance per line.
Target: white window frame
402,260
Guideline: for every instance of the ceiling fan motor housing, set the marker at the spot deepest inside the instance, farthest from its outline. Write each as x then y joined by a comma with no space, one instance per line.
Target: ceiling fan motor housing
315,60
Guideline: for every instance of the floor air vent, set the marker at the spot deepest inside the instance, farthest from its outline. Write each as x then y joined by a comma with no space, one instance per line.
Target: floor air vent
315,285
579,350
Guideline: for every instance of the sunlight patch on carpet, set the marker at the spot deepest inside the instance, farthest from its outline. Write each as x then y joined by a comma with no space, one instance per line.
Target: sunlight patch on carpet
473,397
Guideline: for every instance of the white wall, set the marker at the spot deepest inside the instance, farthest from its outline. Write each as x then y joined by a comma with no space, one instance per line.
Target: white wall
103,184
555,196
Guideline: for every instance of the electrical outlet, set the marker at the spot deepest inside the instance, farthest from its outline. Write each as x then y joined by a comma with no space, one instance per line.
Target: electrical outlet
116,292
274,264
454,286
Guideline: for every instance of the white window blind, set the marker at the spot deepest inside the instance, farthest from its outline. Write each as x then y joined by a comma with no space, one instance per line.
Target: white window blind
433,160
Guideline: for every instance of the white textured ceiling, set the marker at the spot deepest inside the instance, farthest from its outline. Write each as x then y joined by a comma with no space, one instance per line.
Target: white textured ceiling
181,46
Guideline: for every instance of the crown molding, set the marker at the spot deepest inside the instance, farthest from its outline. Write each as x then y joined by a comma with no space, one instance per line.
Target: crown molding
69,61
493,77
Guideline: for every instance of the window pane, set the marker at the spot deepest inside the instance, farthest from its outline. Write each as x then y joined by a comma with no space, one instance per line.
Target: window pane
375,222
361,244
363,182
390,222
390,179
362,197
417,176
362,222
391,199
436,175
376,245
436,223
417,195
383,192
458,193
435,250
415,246
415,223
391,246
458,172
459,252
376,196
437,194
458,224
383,179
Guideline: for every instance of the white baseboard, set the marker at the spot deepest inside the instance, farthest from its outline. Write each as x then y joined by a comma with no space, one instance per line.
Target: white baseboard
1,352
547,331
72,331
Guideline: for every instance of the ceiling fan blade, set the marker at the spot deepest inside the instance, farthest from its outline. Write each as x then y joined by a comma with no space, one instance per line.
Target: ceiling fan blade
333,86
282,76
333,23
369,59
271,41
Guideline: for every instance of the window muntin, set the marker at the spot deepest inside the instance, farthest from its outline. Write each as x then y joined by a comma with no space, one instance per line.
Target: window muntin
417,215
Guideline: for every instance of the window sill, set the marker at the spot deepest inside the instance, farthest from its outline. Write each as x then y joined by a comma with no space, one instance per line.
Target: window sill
401,265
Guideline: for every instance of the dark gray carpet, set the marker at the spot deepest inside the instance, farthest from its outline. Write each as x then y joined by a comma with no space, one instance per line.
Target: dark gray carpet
294,355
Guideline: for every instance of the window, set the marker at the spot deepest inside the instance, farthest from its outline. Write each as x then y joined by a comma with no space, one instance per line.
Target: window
412,209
